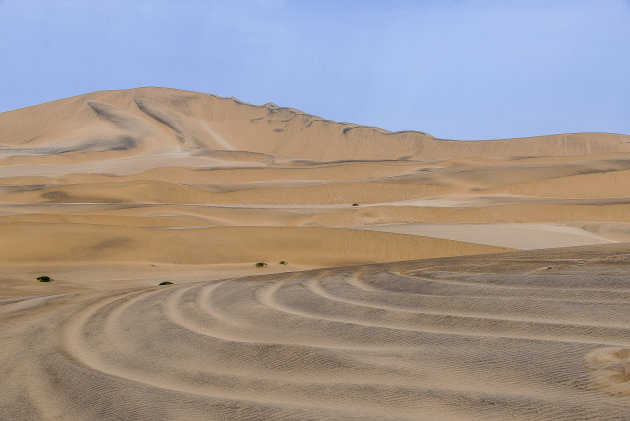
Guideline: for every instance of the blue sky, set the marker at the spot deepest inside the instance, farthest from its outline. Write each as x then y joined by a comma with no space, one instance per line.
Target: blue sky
462,69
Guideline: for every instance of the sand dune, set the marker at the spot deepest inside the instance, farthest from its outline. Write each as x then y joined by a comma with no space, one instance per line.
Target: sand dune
160,119
113,192
526,337
315,246
178,176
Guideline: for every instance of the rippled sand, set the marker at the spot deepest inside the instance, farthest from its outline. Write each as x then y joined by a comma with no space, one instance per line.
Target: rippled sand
525,336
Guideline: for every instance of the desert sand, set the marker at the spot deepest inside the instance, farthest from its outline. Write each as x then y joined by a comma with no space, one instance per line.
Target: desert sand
485,337
407,292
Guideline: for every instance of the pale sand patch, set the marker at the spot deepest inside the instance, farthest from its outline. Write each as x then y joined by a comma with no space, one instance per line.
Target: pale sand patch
518,236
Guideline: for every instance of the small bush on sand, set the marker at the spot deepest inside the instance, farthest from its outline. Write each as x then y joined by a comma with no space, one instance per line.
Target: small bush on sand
284,262
166,283
44,278
355,204
261,264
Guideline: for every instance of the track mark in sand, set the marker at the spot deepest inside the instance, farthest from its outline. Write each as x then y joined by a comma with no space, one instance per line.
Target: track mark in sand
360,343
360,315
16,304
262,389
208,322
217,324
476,280
506,309
481,316
474,285
87,327
96,358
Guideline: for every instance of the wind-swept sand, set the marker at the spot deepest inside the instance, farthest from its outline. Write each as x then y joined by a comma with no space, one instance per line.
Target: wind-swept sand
528,336
112,192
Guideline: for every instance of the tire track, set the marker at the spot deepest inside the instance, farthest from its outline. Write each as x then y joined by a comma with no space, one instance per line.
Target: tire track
354,343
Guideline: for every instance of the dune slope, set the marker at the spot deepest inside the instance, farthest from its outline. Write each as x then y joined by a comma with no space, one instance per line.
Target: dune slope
528,336
117,174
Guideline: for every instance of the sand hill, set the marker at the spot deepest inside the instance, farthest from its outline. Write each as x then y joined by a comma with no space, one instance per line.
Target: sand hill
112,192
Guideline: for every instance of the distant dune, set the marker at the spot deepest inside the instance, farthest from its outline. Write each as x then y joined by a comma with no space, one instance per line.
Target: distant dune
157,121
166,177
112,192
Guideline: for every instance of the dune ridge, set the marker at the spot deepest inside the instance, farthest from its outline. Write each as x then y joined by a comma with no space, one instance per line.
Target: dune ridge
179,120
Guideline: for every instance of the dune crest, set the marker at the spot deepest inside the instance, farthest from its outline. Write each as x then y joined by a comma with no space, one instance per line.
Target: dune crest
201,121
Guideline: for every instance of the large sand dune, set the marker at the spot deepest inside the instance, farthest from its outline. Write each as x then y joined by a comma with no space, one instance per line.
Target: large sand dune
112,192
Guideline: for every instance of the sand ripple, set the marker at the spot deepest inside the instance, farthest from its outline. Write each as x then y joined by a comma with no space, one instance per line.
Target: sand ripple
397,341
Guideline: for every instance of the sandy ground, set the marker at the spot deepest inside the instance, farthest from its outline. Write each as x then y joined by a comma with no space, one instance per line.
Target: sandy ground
113,192
528,336
516,236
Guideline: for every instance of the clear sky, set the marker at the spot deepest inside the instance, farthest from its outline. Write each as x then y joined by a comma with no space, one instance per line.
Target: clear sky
462,69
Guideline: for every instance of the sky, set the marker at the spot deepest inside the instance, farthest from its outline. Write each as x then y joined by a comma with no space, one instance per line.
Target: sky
457,69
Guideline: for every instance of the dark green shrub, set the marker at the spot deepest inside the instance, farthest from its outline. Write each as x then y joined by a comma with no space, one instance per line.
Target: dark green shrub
165,283
284,262
355,204
261,264
44,278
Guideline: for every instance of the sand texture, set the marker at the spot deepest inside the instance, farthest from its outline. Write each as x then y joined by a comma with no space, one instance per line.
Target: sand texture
528,336
113,192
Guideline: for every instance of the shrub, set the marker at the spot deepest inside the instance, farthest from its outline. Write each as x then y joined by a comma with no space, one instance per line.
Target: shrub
44,278
355,204
166,283
261,264
284,262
